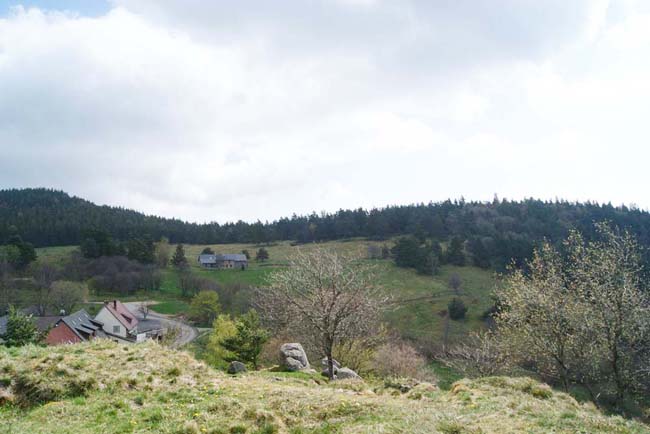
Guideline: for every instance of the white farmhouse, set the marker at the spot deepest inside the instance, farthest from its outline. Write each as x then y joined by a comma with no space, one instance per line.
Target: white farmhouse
117,319
121,324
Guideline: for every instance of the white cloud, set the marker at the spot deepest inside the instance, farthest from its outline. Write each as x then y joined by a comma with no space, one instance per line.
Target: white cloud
222,110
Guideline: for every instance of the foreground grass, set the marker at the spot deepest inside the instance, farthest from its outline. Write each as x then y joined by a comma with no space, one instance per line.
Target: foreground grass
110,388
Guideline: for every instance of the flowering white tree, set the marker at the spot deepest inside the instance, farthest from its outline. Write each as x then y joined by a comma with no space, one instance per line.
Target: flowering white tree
583,317
327,297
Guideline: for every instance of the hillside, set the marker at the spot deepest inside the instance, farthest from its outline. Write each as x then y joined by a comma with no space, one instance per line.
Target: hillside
494,232
109,388
418,320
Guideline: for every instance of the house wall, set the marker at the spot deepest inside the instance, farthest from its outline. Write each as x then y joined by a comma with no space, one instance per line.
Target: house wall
61,334
108,319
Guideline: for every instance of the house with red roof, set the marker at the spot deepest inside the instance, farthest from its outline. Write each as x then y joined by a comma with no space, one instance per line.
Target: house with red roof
121,324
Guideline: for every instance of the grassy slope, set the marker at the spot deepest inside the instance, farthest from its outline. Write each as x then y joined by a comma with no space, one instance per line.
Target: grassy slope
416,319
109,388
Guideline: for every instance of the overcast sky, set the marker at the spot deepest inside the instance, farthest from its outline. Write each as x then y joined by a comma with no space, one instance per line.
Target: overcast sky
250,110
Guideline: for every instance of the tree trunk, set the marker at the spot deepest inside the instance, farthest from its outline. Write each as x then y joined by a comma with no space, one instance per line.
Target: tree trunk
593,395
330,364
445,338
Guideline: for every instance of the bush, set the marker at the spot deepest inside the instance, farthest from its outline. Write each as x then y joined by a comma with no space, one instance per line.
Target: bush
398,360
480,355
262,255
457,309
192,284
204,307
356,355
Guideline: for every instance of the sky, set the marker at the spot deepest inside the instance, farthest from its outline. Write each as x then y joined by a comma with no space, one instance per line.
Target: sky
221,110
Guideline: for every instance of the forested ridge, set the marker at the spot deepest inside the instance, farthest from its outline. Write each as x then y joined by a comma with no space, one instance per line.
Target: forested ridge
492,232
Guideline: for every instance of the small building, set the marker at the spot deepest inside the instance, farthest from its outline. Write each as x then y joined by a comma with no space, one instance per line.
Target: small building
121,324
227,261
149,329
73,328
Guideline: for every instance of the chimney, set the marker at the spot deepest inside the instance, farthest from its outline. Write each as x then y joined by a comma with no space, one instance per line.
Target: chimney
114,304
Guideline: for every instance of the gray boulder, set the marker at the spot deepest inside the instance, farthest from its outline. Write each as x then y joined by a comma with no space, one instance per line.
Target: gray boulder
293,357
236,367
346,374
323,363
326,368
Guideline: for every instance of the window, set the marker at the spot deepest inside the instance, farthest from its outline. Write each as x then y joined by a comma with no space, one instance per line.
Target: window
116,329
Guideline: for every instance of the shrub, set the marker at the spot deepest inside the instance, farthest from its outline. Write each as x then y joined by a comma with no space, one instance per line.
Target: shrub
480,355
204,307
356,355
457,309
398,360
262,255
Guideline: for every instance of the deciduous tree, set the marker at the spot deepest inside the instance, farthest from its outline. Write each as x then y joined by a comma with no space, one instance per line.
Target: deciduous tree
163,251
328,297
582,319
65,295
204,307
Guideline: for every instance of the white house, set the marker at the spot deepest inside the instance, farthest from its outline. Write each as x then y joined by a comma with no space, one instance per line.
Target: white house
119,323
118,320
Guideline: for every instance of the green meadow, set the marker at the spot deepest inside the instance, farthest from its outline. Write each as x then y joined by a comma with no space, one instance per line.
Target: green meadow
419,300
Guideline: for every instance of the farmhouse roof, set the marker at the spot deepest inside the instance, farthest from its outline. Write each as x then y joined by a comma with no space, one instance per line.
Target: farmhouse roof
214,258
207,258
122,314
233,257
147,325
82,323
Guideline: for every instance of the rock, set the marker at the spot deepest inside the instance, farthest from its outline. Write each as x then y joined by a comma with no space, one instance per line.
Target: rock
236,367
323,363
404,385
5,397
325,372
346,374
293,357
421,390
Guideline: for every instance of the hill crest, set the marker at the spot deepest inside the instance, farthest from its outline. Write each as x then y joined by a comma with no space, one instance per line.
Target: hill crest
106,387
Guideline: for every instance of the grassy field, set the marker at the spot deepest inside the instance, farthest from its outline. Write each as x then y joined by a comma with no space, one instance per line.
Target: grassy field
173,307
419,319
104,387
54,255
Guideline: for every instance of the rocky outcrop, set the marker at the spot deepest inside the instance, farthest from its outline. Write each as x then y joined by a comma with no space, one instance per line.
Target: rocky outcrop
340,373
346,374
325,366
236,367
293,357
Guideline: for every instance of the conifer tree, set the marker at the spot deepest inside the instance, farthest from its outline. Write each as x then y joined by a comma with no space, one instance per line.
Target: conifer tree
179,260
21,329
